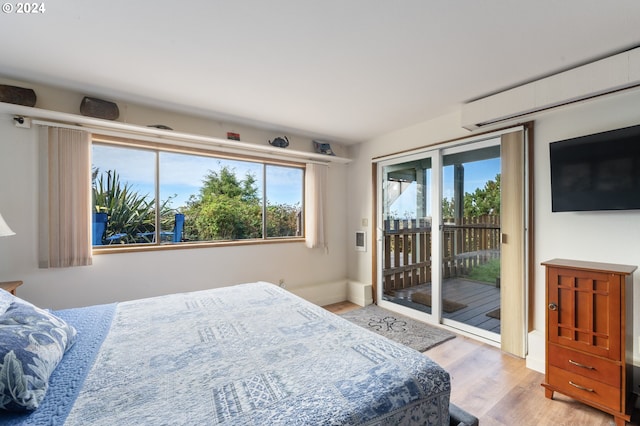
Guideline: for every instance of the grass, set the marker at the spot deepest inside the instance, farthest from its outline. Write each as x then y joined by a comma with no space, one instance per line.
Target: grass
486,273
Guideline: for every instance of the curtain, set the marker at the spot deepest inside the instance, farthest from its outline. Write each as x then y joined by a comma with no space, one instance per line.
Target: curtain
65,231
315,201
512,249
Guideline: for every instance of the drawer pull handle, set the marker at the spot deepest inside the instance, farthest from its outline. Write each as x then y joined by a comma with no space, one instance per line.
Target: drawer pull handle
580,387
577,364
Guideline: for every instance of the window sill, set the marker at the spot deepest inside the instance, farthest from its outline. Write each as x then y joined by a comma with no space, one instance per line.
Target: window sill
134,248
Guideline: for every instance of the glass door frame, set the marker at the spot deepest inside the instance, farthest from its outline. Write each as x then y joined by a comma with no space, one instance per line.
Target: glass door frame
435,152
473,145
436,218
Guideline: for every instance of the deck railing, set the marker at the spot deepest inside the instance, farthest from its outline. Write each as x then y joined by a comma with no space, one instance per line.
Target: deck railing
407,249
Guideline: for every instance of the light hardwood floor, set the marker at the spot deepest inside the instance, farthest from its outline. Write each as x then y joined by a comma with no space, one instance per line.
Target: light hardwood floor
499,389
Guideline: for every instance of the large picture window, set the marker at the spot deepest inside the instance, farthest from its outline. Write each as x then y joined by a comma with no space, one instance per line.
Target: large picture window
151,196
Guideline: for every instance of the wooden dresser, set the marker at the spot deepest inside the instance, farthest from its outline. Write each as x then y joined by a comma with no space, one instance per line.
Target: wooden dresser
590,334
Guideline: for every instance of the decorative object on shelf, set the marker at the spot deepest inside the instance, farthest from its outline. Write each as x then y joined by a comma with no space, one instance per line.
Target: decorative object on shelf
160,126
17,95
233,136
5,231
280,142
323,148
99,108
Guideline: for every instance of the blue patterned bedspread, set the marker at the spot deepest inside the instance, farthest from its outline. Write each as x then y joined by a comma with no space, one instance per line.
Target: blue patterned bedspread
251,354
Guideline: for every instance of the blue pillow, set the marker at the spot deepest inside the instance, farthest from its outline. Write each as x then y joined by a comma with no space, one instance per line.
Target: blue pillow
32,343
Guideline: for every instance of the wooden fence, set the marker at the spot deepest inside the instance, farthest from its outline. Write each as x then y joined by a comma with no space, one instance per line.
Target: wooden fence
407,249
407,253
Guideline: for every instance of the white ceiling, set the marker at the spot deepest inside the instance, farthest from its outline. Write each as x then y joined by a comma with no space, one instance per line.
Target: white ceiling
339,70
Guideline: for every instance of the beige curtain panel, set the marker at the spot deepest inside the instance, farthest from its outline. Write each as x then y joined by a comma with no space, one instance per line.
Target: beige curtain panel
315,202
65,234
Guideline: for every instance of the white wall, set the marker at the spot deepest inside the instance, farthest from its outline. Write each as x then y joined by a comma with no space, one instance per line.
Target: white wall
605,236
612,237
321,277
361,187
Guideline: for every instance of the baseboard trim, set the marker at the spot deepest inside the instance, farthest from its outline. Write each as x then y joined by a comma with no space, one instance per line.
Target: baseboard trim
536,345
322,294
328,293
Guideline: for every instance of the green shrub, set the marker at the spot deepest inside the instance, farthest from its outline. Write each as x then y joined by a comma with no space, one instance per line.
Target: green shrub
487,272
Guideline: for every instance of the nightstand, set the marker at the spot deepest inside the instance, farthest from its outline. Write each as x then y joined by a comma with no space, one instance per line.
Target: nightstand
10,286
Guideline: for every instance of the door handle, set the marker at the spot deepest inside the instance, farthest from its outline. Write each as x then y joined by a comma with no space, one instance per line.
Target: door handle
575,385
577,364
553,307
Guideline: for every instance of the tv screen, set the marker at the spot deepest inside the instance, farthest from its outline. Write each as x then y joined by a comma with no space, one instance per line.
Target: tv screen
596,172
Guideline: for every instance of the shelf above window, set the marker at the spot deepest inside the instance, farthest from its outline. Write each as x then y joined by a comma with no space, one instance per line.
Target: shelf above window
117,128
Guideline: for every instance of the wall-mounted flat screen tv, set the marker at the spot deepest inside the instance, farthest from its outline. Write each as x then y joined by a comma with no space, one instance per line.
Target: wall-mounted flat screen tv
596,172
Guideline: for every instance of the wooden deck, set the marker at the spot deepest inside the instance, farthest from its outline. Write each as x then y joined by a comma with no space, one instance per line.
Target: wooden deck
480,298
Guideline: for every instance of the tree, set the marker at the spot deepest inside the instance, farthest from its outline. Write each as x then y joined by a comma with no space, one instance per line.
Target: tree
483,201
225,209
448,208
282,219
129,212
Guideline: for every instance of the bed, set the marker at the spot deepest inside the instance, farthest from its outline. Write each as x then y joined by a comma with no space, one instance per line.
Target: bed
250,354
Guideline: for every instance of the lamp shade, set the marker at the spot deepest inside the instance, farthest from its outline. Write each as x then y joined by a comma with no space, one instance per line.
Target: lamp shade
5,231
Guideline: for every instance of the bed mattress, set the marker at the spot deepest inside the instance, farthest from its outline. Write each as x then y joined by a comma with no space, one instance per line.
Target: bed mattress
250,354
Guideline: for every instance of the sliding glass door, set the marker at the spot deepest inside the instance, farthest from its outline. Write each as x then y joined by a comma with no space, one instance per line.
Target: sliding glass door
470,237
407,233
442,238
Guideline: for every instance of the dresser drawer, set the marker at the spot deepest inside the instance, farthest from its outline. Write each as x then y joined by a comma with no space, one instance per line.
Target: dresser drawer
584,388
592,367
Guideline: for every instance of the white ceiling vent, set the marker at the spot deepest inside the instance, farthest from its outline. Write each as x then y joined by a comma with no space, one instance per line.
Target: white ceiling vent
607,75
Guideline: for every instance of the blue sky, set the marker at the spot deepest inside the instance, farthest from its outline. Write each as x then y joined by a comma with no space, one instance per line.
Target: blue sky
476,175
182,175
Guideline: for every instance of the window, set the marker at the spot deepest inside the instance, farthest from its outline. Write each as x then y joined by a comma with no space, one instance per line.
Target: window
200,197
